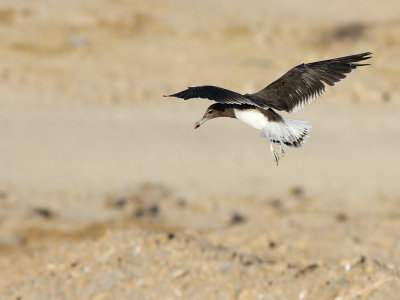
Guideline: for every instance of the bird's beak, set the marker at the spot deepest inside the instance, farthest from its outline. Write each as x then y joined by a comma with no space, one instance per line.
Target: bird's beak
197,125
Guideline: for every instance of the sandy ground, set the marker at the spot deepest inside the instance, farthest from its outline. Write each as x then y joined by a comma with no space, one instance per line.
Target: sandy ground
107,192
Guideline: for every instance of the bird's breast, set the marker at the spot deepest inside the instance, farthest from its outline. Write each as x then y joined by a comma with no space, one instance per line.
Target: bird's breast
251,117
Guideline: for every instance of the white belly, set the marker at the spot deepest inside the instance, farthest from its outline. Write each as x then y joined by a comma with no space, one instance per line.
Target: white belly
251,117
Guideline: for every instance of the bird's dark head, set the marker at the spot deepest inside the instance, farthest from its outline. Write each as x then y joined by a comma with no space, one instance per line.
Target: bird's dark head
215,111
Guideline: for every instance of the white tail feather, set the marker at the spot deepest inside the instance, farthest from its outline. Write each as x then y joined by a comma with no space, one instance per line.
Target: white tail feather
292,133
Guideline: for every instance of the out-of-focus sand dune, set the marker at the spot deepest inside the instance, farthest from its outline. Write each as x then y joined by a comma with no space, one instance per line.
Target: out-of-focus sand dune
107,192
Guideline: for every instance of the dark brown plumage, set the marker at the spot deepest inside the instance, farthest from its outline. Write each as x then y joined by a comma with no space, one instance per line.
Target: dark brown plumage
291,91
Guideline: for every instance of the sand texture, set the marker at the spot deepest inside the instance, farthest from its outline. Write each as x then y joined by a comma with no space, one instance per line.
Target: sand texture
107,192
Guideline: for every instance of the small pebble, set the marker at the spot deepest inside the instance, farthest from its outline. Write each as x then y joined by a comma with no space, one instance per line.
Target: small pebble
120,203
237,218
297,192
341,217
43,212
154,210
138,213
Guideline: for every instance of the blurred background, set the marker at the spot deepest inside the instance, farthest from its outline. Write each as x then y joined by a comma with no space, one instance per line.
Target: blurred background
90,150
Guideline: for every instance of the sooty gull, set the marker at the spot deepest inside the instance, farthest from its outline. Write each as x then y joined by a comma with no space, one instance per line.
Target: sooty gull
299,86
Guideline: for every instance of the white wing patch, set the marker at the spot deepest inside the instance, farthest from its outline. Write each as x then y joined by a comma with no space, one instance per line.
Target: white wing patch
301,104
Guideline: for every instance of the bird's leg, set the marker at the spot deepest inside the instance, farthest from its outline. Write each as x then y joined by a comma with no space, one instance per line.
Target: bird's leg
282,151
274,154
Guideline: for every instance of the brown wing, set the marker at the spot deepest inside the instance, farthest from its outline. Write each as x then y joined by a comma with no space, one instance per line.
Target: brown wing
303,83
213,93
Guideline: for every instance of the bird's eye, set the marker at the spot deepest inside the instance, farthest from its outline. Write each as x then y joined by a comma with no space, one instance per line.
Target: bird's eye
210,111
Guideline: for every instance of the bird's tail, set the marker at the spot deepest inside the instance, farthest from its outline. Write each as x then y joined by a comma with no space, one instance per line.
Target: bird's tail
292,133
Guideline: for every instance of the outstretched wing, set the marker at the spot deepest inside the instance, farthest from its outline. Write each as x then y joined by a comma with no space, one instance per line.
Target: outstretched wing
303,83
213,93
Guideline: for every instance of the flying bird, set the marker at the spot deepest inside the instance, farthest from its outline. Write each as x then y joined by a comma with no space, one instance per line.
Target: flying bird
297,87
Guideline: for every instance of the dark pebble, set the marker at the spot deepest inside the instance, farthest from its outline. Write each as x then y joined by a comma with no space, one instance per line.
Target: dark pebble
341,217
138,213
43,212
154,210
120,203
237,218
